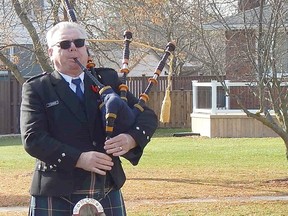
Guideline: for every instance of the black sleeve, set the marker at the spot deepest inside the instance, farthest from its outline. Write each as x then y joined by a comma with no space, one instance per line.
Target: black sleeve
142,131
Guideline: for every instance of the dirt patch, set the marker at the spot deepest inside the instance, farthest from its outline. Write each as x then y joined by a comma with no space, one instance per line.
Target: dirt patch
139,188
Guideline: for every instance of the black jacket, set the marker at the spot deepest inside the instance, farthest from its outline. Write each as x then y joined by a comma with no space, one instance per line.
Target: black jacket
56,128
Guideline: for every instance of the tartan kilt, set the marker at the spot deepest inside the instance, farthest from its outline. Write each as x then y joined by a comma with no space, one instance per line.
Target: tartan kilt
112,203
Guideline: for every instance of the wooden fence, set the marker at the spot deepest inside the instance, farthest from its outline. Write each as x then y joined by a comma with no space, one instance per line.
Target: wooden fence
137,85
10,99
181,108
180,94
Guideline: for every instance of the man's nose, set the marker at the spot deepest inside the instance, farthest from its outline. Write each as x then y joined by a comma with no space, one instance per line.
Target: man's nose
73,47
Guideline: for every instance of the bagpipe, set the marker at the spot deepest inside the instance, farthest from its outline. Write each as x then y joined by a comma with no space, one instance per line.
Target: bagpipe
112,104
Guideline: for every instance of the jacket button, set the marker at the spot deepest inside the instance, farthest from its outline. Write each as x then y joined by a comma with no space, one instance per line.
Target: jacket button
94,143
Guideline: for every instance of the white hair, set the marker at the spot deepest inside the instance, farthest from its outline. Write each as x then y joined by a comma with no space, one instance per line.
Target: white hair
64,25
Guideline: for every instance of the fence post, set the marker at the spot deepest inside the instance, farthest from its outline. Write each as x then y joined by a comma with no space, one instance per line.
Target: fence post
183,113
227,105
214,96
143,83
194,95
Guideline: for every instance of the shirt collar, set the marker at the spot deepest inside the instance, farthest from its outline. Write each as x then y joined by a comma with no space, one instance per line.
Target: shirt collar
69,78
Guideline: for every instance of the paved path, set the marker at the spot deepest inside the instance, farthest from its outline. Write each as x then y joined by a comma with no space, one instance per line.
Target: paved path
197,200
14,209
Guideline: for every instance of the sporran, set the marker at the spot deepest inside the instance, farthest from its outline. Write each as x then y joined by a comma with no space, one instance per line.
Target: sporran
88,207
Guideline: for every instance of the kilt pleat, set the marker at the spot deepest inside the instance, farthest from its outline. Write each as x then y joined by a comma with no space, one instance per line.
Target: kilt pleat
112,203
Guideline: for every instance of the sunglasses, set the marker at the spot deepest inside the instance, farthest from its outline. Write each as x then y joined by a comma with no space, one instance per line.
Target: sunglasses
66,44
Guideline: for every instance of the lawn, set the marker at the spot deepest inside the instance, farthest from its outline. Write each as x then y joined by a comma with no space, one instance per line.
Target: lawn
181,176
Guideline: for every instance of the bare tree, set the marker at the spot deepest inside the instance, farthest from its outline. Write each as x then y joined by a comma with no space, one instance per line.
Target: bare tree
22,40
256,52
153,23
38,47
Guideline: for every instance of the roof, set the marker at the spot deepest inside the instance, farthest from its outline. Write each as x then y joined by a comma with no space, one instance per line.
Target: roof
139,65
147,65
249,19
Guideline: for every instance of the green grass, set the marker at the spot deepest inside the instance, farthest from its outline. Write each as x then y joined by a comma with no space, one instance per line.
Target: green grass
225,153
206,168
13,155
168,132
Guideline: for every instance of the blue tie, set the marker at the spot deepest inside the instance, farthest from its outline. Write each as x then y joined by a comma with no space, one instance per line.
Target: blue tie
79,92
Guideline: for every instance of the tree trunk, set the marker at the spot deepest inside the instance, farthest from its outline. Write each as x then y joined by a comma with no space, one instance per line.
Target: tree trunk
13,68
40,54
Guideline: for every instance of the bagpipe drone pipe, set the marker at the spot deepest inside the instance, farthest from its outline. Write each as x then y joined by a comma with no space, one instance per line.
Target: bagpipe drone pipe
116,113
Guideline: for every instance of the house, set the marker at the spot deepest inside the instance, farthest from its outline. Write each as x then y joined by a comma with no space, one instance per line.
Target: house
146,65
241,45
241,38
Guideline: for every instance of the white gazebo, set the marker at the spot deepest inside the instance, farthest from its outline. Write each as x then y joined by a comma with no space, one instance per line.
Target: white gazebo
223,121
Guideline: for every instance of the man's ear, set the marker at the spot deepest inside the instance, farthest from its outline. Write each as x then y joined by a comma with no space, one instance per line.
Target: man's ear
50,52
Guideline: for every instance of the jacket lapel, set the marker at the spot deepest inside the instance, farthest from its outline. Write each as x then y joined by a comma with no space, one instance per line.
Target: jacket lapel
68,97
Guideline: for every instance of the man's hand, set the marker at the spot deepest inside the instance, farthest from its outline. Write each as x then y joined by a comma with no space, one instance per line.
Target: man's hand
119,145
95,162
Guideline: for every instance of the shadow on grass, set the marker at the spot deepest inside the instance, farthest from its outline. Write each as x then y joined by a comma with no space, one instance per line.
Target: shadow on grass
10,140
227,184
178,180
168,132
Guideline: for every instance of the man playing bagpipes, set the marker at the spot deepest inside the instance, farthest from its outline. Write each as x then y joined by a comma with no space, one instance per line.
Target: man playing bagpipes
62,127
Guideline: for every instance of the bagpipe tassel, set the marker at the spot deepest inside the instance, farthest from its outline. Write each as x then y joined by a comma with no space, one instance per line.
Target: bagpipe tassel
166,103
165,108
